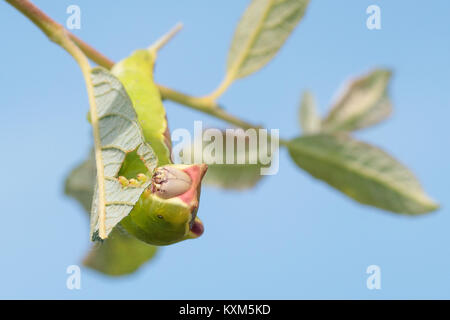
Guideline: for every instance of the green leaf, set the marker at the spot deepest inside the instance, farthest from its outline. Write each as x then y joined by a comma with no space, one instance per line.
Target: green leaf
136,74
263,29
119,254
363,172
309,117
363,103
120,134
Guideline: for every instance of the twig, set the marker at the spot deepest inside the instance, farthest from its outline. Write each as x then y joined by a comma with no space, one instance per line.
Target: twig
166,38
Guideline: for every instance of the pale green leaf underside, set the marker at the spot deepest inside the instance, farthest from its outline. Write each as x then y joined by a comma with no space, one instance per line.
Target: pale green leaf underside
309,117
120,134
263,29
363,172
121,253
363,102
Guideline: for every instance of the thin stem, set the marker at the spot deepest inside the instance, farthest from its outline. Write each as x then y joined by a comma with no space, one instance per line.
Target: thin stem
203,105
166,38
223,86
207,106
91,53
33,13
58,34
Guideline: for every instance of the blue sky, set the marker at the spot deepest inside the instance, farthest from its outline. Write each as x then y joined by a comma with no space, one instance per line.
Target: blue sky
291,237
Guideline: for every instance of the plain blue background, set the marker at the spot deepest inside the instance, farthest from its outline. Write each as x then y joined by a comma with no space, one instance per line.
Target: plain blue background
291,236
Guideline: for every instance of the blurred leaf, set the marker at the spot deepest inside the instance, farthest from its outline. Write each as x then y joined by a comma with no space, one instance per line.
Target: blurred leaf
120,134
309,117
363,103
262,30
235,177
241,175
121,253
81,181
363,172
118,255
136,74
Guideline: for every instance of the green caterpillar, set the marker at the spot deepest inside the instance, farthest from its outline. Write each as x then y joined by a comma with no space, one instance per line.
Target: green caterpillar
167,211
